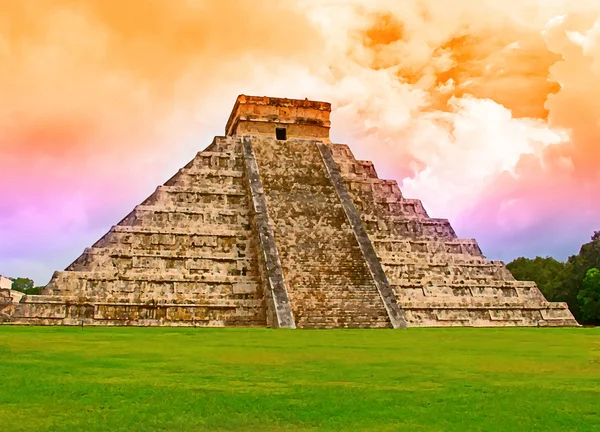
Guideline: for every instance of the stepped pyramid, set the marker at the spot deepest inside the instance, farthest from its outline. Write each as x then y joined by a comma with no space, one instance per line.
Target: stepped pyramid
274,225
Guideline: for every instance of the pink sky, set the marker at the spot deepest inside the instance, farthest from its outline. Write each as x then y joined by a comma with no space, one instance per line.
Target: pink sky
488,111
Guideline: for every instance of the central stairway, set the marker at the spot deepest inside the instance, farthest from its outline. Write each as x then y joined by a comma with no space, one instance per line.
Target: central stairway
328,282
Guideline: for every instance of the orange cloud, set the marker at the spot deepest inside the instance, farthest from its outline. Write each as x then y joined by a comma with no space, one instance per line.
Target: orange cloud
501,61
79,70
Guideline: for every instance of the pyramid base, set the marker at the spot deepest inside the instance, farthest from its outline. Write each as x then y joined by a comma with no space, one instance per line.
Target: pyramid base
47,310
51,311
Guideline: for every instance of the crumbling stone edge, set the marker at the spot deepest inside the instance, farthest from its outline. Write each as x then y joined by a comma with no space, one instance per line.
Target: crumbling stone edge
276,282
386,293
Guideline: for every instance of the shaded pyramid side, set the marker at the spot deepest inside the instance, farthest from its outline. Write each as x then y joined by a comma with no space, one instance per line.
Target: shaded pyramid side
439,279
186,255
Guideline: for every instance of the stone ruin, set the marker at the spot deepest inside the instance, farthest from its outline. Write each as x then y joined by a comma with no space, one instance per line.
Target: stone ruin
275,225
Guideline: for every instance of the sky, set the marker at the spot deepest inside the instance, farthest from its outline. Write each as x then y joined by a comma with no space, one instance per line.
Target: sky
487,111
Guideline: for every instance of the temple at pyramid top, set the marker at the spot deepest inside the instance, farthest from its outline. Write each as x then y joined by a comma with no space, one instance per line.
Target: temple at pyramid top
275,225
281,118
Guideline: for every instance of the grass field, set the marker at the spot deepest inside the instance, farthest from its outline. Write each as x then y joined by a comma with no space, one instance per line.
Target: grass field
148,379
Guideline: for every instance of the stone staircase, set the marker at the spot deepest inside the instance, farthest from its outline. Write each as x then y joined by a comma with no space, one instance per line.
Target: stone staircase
326,277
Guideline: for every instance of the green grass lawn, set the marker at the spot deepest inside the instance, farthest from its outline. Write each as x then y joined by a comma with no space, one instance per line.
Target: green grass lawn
148,379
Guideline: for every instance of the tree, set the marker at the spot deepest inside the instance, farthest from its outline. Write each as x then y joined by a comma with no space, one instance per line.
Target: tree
25,285
561,282
577,267
35,290
22,284
589,297
548,273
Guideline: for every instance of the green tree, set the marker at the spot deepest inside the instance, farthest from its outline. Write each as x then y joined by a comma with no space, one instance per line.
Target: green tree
548,273
589,297
22,284
576,268
35,290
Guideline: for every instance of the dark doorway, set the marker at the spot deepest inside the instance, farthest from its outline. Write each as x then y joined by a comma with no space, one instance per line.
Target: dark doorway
281,134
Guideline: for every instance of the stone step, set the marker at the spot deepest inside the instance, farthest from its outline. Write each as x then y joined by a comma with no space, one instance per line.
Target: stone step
201,180
235,190
446,269
210,172
148,216
159,301
208,155
101,313
132,264
327,317
356,169
149,287
226,144
415,229
196,209
401,210
224,241
162,253
419,283
444,259
145,276
459,291
483,317
558,322
175,196
407,206
388,243
431,278
488,303
202,230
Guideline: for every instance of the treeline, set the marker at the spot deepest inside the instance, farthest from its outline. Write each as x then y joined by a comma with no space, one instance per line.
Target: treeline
576,281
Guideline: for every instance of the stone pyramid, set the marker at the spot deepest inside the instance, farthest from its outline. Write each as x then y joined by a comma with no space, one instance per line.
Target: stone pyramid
274,225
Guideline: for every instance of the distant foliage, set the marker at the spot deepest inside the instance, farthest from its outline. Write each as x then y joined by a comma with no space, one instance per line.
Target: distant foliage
566,282
589,296
22,284
25,285
548,273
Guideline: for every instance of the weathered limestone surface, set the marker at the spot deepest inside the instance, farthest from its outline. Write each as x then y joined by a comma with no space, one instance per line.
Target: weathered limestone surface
289,232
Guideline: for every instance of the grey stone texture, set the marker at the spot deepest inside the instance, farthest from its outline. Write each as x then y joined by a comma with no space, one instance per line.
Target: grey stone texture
256,231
